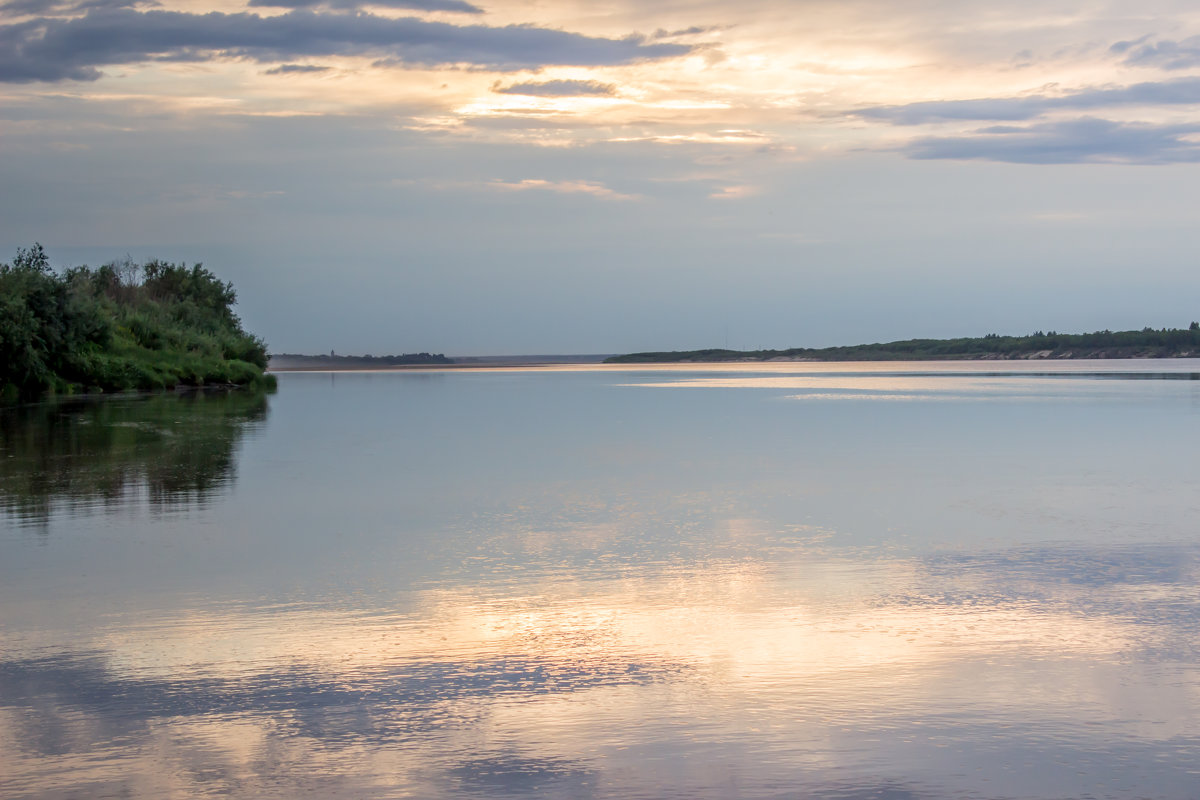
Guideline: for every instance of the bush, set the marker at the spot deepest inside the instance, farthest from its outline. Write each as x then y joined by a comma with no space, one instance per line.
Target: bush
122,326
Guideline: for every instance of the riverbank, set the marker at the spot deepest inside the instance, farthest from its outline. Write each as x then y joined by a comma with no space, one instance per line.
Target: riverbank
1039,346
293,363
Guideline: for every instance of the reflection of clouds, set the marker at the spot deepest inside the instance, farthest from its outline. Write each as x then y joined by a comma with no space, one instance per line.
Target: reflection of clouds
1154,589
106,730
664,677
510,773
885,395
601,526
323,703
812,615
897,387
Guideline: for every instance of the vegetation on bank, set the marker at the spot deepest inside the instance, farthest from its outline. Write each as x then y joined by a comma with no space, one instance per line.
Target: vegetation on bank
1146,343
124,326
332,361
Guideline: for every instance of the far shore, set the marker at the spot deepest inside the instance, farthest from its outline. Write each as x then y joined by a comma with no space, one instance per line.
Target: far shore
553,362
353,364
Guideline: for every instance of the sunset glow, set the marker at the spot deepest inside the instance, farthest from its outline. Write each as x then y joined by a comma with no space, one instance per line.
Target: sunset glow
872,149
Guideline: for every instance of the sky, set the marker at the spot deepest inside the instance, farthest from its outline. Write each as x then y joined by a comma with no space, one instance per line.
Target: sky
558,176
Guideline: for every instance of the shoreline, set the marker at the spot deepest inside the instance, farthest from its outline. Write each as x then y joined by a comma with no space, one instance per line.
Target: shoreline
326,364
973,365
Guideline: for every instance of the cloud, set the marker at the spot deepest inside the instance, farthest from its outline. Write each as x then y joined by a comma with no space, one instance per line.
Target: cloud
1185,91
52,8
457,6
563,187
733,192
291,69
1166,54
695,30
75,49
730,136
1087,140
557,88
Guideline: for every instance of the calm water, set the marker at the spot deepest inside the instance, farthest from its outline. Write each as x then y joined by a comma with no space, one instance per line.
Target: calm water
794,581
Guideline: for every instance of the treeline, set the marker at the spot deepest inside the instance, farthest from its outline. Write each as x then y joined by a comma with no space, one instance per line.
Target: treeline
1146,343
122,326
297,361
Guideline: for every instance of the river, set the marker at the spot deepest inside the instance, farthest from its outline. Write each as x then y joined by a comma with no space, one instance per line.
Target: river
894,581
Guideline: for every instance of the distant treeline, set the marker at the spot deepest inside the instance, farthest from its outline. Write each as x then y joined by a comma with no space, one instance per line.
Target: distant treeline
1146,343
297,361
122,326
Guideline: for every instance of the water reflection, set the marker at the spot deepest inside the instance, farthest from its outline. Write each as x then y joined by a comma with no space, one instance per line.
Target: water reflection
845,677
93,453
512,585
941,387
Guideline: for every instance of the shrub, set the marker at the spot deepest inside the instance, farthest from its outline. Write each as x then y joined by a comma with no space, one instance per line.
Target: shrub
122,326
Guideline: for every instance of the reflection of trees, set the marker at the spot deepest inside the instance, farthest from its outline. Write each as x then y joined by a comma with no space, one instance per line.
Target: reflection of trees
178,449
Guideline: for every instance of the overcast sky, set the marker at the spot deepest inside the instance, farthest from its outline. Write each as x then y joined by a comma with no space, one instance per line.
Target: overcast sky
561,176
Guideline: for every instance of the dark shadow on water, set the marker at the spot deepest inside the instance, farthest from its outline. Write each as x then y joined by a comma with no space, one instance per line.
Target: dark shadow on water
177,450
509,774
380,706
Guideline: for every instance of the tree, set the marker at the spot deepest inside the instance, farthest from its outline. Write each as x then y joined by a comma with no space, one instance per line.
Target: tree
32,260
125,325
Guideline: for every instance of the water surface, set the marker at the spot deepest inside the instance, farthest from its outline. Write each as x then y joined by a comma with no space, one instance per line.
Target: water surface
749,581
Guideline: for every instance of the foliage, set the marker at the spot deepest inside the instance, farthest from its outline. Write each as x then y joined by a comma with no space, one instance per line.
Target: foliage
123,326
297,361
1146,343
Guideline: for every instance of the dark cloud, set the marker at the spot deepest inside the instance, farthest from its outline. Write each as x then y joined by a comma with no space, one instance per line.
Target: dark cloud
1087,140
457,6
1002,108
292,69
1123,47
557,88
52,8
695,30
21,8
76,49
1185,91
1166,54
